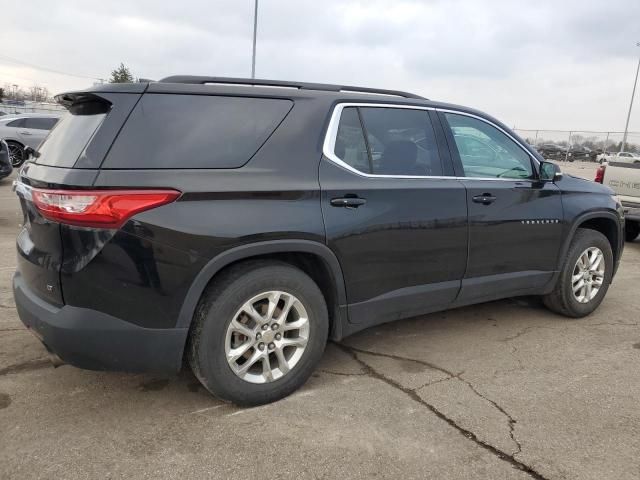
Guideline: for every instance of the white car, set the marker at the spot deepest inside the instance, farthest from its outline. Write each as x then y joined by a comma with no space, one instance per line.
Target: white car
624,157
26,130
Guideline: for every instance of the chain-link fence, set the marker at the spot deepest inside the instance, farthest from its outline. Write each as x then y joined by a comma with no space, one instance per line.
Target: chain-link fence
9,107
584,145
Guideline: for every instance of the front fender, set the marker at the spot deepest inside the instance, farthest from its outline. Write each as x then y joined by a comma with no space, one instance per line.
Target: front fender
580,220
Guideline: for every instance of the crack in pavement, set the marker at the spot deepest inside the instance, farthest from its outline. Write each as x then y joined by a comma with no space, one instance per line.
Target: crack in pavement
440,380
528,329
510,419
27,366
342,374
412,393
623,324
433,366
450,375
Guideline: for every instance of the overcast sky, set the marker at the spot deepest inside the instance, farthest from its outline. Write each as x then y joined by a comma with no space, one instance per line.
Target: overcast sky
534,64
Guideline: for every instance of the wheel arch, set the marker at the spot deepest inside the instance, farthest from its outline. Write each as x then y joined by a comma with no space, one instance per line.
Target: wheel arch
314,258
603,221
13,140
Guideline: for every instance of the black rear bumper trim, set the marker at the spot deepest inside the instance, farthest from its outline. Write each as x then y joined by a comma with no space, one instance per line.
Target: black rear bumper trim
94,340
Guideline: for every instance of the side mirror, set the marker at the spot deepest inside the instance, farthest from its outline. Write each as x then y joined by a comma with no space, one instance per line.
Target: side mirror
550,172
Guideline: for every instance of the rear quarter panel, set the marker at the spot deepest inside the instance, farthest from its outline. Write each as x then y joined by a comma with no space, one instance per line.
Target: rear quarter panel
143,272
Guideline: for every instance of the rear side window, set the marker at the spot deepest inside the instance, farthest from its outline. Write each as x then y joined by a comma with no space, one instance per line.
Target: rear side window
195,131
399,141
40,123
19,123
71,134
350,146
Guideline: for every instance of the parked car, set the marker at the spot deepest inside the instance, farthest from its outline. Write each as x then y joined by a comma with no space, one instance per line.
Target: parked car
624,179
551,150
240,223
26,130
594,154
5,162
578,152
624,157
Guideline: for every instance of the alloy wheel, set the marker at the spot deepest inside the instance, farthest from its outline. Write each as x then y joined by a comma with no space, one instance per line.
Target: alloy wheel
267,337
588,275
16,154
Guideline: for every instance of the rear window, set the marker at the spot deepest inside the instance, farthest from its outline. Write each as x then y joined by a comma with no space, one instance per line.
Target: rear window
71,133
195,131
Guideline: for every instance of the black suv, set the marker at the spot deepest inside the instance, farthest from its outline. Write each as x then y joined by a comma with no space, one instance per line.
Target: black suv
239,224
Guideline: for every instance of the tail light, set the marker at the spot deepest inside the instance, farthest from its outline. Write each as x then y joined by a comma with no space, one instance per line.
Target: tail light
98,208
600,174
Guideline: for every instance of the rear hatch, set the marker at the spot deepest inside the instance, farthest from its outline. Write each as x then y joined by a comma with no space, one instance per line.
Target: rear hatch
68,158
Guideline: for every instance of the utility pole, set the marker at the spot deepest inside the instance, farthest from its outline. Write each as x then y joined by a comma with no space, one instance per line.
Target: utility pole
255,33
633,93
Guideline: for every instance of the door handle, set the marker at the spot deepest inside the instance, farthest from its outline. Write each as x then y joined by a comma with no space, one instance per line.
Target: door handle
25,133
348,202
485,199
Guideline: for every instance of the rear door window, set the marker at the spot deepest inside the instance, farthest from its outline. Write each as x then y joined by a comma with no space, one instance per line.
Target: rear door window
195,131
351,146
399,141
40,123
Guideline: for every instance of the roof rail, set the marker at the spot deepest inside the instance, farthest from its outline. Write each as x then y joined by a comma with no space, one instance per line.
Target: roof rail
201,80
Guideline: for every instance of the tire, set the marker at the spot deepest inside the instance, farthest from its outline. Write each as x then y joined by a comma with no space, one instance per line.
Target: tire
16,153
631,230
562,299
221,304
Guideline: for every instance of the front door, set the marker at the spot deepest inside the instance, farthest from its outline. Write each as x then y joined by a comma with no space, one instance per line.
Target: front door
397,226
515,220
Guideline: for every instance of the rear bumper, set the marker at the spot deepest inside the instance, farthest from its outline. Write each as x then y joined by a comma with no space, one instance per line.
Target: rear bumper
5,170
96,341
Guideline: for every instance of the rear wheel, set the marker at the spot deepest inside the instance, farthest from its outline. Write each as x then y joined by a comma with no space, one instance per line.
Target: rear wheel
585,276
16,153
259,332
631,230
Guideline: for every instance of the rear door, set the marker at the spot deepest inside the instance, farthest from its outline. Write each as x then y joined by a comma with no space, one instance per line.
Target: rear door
35,129
396,222
515,220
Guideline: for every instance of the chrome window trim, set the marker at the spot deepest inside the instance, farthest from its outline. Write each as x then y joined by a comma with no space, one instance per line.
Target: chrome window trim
329,143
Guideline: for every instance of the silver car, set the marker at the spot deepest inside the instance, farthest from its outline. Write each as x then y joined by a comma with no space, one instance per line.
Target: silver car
26,130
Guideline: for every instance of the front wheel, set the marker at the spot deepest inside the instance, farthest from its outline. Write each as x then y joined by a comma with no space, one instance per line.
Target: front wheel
631,230
585,276
259,331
